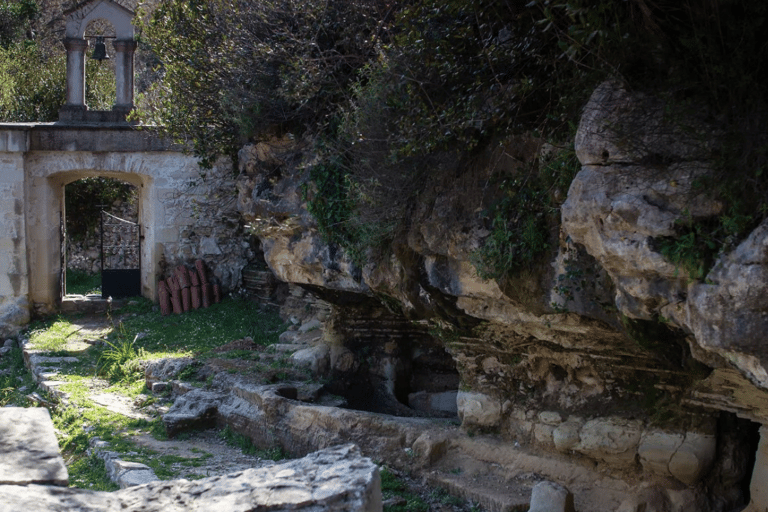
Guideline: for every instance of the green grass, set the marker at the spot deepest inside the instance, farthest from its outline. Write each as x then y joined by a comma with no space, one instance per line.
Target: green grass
120,363
51,334
199,331
15,381
392,486
244,443
82,283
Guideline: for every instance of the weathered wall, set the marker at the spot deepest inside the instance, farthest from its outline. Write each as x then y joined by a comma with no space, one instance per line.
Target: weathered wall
14,283
183,216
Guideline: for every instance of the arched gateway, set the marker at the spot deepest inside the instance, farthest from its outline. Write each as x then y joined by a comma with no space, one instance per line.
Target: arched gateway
182,217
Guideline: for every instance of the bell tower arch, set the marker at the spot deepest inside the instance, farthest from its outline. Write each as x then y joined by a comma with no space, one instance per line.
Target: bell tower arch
76,44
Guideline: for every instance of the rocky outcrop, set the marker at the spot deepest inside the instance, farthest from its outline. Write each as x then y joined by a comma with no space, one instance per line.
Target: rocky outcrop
638,181
604,351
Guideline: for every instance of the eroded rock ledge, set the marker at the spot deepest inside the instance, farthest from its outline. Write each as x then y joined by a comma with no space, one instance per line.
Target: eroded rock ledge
604,332
336,479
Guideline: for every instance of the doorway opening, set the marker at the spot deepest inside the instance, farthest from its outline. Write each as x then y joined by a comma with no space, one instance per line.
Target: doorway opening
101,239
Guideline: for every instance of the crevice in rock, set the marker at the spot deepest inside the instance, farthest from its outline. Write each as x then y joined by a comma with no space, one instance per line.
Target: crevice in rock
727,484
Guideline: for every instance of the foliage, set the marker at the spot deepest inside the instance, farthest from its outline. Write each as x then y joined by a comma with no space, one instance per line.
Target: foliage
700,241
235,68
385,90
83,200
392,486
15,19
33,83
121,360
520,222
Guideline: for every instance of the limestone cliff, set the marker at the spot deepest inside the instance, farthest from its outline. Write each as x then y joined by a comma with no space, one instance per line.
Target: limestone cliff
603,337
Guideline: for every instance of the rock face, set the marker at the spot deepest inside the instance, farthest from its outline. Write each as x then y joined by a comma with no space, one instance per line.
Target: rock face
605,350
633,188
333,480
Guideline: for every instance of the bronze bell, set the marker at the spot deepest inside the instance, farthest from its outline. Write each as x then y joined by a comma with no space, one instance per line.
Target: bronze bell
100,49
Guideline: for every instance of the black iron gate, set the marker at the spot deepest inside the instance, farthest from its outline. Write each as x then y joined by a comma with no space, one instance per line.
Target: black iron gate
120,257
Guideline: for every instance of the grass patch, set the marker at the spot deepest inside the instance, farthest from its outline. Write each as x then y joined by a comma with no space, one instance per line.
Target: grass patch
83,283
392,487
90,473
139,333
51,334
15,381
244,443
199,331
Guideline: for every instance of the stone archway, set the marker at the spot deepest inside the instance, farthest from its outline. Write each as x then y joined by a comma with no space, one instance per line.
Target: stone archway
45,197
183,216
99,237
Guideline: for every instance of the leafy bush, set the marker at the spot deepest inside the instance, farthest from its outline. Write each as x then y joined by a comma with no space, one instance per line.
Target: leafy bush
387,90
121,361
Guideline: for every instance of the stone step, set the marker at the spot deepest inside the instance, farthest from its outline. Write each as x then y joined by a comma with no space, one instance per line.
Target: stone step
29,451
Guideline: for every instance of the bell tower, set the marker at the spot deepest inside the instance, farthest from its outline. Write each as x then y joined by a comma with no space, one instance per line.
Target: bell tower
75,110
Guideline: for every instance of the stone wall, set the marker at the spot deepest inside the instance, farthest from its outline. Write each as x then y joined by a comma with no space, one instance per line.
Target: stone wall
14,281
33,477
184,214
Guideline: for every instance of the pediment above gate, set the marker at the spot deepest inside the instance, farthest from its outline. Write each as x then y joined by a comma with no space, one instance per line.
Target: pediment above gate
120,17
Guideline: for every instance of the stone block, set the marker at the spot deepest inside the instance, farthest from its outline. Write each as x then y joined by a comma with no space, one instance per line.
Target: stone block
543,434
550,497
336,479
14,141
656,449
317,358
434,404
478,409
430,448
566,435
611,439
29,451
550,418
694,457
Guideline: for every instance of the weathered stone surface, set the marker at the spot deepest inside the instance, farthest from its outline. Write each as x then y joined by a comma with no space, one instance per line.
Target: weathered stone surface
317,359
434,404
550,497
29,451
656,449
620,126
728,390
337,479
693,458
566,435
758,490
193,408
610,439
727,314
478,409
163,370
430,447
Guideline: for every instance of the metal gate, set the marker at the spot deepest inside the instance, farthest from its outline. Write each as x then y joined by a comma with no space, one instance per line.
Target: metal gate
120,257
